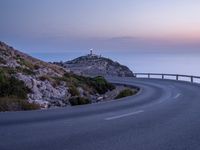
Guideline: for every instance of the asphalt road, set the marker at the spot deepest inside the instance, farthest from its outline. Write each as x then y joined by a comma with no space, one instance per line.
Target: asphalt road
164,115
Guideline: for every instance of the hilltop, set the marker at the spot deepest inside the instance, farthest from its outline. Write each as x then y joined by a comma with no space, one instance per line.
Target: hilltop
29,83
94,65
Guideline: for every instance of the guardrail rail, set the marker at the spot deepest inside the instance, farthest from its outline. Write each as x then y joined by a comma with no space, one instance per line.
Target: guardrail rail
190,78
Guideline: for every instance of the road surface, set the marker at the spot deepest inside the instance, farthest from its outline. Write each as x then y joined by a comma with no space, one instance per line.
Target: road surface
164,115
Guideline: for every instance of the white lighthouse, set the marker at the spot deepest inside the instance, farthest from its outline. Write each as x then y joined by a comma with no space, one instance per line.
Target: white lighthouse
91,52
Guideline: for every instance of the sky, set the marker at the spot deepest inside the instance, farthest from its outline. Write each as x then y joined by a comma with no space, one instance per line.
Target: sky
50,26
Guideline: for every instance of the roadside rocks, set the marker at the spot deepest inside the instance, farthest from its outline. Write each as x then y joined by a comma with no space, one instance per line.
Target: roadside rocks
43,92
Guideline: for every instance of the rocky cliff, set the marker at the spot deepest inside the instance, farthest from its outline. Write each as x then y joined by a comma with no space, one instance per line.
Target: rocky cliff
94,65
48,84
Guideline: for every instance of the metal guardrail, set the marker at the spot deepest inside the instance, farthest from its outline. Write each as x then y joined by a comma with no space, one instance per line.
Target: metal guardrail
163,76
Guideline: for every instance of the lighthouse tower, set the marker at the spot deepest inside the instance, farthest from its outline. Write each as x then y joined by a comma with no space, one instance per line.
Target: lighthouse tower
91,52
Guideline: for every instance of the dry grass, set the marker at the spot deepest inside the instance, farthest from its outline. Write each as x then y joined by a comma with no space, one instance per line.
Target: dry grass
13,103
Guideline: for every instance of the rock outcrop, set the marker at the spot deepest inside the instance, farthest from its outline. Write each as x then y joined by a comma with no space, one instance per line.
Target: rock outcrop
30,70
50,85
94,65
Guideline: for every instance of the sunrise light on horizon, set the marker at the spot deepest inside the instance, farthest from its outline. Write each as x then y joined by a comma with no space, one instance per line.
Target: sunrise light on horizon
47,25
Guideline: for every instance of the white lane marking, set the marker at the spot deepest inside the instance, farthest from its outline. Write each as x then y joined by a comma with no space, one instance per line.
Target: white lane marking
177,96
124,115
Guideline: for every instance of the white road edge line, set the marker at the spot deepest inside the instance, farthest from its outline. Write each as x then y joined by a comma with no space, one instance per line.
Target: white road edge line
124,115
177,96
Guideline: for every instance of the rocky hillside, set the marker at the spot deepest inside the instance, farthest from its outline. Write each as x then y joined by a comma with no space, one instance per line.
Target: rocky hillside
94,65
29,83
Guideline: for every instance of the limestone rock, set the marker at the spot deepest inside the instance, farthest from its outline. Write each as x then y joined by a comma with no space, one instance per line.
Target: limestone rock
93,65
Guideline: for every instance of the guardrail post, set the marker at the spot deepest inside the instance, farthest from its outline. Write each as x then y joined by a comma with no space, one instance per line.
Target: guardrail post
176,77
192,79
163,76
148,75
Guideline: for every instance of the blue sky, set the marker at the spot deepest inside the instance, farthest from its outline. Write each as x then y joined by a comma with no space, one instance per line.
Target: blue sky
105,25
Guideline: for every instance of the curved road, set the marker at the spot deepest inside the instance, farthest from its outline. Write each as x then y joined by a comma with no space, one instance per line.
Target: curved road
164,115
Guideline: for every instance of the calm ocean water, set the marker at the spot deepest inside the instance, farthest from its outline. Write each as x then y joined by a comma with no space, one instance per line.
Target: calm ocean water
178,63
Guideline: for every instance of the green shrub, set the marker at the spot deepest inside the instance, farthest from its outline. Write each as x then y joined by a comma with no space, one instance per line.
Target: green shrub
124,93
36,66
2,77
28,71
7,70
79,101
73,91
26,63
13,94
95,85
12,87
101,85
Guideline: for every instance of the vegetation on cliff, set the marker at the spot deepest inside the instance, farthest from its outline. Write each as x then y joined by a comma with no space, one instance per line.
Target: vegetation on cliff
126,92
13,94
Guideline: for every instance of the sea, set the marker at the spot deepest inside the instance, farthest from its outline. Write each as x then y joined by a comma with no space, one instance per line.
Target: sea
140,62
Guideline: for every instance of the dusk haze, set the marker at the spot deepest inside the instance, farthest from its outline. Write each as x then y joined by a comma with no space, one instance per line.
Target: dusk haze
99,74
124,28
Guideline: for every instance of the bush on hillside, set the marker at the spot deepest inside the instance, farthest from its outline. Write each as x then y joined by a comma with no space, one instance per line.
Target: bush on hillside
97,84
101,85
73,91
125,93
79,101
13,94
11,86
